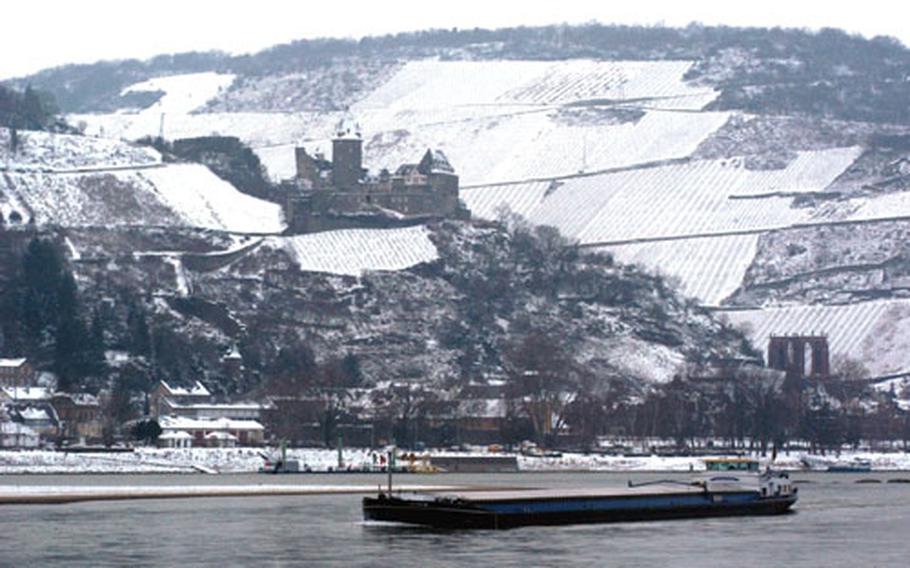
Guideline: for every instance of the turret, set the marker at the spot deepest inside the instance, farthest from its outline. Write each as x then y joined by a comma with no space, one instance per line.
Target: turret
347,155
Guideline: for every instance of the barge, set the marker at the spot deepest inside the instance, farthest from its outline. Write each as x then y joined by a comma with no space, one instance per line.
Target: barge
736,489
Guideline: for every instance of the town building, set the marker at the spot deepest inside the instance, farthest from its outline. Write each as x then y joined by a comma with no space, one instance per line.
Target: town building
16,372
341,193
15,435
79,416
164,396
221,432
191,417
31,407
198,402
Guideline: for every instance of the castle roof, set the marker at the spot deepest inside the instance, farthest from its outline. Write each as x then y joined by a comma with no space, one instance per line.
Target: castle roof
435,162
347,129
405,169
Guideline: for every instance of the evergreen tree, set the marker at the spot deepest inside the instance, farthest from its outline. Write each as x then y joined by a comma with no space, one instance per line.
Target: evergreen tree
138,328
97,363
39,287
72,341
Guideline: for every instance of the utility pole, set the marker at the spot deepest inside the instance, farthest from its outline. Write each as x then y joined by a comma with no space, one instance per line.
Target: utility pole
161,127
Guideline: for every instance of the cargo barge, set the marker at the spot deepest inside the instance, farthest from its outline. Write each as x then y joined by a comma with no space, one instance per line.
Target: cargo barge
739,490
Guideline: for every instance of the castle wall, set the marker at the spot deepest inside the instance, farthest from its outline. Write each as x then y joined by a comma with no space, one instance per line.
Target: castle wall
316,201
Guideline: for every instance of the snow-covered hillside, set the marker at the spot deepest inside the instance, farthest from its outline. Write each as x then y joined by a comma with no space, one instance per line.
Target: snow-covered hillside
496,120
186,195
43,151
688,199
182,93
607,151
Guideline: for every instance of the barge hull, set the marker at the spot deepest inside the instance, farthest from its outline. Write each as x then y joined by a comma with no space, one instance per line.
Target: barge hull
463,516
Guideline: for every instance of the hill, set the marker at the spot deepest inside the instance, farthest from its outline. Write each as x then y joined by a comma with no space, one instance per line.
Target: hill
763,172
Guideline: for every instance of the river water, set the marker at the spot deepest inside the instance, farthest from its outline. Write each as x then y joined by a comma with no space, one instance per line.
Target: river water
838,522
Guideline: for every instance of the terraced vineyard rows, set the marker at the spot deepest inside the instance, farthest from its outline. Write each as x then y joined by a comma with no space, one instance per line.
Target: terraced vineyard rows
354,251
673,201
709,269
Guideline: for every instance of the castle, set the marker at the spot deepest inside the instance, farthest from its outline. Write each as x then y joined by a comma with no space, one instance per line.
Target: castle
342,194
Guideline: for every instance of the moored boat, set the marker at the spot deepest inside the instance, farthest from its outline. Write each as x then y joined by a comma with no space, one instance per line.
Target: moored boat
741,490
856,465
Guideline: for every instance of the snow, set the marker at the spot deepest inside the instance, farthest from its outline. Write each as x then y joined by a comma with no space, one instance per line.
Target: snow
34,414
678,219
207,201
678,200
174,195
709,269
182,284
178,435
182,93
239,460
65,152
882,206
876,333
198,389
182,423
496,120
27,393
13,362
652,362
901,389
428,83
352,252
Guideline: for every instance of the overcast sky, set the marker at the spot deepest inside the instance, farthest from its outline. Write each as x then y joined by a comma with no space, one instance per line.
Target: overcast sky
41,33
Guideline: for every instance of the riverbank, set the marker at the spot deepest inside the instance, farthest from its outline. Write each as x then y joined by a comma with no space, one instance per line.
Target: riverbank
248,460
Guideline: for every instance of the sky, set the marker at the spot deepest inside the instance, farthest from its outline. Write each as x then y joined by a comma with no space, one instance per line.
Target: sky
43,33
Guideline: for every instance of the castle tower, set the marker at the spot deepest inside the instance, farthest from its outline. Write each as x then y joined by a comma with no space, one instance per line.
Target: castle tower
347,155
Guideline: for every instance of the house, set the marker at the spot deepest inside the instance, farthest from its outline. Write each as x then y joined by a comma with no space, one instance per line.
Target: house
40,419
79,415
481,421
175,439
16,373
15,435
241,432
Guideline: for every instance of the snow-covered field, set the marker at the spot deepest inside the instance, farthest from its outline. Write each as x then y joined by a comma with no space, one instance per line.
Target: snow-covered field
353,251
496,120
43,151
182,93
672,201
175,195
877,333
421,84
709,268
245,460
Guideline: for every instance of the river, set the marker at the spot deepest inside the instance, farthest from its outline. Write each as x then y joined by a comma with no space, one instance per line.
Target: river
838,522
